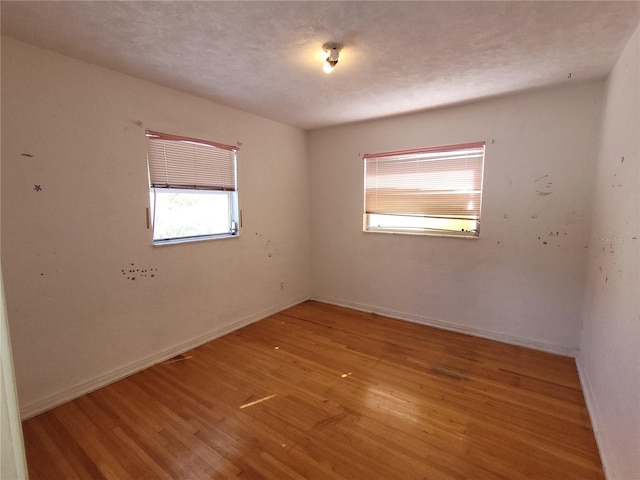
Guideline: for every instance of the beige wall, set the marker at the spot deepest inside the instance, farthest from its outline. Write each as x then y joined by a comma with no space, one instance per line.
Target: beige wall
522,281
609,357
78,131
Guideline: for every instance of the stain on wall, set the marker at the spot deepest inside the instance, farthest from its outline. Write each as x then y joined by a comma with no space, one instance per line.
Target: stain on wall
132,272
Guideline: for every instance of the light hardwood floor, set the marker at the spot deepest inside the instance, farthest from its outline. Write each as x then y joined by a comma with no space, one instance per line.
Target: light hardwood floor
322,392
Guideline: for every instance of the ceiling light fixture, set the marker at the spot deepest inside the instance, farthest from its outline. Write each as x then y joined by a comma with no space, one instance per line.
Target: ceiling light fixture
332,50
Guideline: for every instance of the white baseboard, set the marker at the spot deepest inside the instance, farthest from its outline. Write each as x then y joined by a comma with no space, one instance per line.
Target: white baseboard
34,408
476,332
608,466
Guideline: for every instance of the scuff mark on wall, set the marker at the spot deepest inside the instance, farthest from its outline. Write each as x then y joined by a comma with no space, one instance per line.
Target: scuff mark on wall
573,218
272,248
543,186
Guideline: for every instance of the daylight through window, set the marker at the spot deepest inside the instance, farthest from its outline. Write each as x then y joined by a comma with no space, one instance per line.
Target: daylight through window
436,190
192,187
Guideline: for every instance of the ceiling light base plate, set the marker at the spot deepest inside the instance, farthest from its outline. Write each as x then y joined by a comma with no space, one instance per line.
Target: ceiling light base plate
332,48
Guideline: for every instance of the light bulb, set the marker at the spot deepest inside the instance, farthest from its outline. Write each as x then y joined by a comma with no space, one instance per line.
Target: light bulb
327,67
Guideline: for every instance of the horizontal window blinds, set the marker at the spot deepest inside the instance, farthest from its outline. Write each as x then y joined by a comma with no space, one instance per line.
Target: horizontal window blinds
183,162
431,182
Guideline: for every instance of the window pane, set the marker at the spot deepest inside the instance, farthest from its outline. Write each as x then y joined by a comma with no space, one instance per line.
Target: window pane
179,214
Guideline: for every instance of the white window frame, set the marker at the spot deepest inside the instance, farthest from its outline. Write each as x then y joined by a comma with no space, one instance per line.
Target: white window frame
433,191
185,165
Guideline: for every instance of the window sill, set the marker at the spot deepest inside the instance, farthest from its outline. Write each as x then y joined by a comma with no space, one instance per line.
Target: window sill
425,234
201,238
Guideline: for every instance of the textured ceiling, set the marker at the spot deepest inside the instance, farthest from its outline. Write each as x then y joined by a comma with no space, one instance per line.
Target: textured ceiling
265,57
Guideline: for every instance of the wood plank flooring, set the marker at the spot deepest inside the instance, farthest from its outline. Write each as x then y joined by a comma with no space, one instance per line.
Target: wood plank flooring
322,392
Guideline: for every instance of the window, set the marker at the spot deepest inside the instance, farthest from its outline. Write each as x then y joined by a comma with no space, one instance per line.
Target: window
429,191
192,188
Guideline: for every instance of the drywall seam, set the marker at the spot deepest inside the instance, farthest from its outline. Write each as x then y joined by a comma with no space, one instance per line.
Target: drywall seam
476,332
34,408
592,409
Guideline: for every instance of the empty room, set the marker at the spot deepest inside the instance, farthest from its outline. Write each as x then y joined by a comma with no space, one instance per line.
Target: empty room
320,240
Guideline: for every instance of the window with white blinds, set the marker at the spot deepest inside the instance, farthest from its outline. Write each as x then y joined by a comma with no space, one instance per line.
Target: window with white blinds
182,162
435,190
193,188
